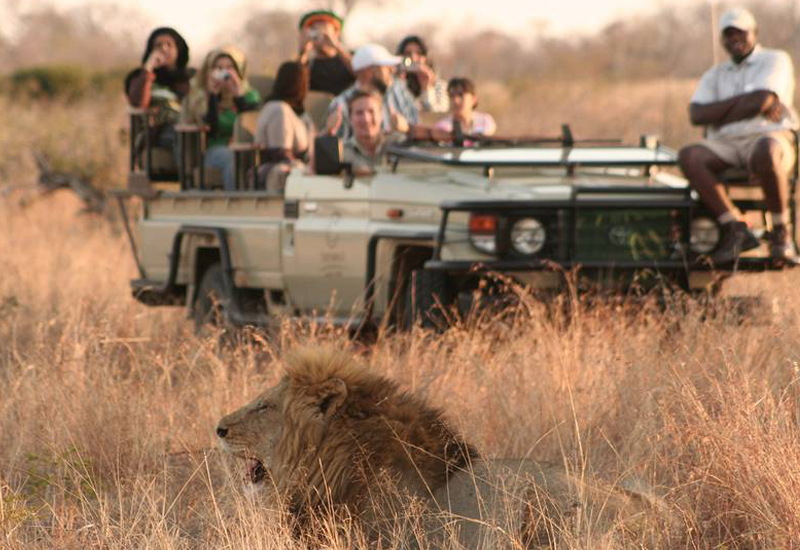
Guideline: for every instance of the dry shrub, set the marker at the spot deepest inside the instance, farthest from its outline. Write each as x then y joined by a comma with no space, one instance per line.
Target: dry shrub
87,137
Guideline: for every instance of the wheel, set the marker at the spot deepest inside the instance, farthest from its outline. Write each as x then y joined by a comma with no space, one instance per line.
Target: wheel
426,298
213,301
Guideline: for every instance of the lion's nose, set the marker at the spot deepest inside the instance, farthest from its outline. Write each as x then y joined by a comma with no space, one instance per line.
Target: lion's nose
222,432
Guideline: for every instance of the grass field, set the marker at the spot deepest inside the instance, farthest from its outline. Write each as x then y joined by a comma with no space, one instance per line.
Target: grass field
107,408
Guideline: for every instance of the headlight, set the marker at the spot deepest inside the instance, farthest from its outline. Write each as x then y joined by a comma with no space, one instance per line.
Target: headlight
527,236
704,235
483,232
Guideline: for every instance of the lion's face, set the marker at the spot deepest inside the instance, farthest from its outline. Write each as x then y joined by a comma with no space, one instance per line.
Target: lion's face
281,425
253,432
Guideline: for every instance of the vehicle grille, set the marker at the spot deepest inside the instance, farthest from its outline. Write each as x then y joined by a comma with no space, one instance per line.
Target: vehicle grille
624,235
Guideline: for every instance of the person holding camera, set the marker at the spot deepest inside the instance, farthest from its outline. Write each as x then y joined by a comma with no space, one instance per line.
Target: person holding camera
163,78
220,91
160,84
420,78
375,69
321,51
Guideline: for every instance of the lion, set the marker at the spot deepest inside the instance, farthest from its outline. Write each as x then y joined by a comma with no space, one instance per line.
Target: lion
334,435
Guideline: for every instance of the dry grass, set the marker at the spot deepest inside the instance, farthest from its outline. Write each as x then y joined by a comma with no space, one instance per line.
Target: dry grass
107,408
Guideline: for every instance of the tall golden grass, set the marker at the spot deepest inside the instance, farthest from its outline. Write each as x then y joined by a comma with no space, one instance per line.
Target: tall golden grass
107,407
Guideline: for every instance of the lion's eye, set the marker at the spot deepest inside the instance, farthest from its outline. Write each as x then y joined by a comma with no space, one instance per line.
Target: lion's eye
265,407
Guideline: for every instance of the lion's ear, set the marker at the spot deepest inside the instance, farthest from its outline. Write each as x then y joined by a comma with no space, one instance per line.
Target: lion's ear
330,396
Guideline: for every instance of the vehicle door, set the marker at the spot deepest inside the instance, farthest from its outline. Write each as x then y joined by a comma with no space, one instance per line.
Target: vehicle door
325,244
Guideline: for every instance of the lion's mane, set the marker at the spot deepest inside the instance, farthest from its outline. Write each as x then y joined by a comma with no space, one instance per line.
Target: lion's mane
377,430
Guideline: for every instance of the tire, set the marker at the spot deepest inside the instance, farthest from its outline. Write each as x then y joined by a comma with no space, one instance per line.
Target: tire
213,301
426,298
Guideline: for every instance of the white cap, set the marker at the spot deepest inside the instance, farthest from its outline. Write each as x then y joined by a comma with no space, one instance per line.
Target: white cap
371,55
738,18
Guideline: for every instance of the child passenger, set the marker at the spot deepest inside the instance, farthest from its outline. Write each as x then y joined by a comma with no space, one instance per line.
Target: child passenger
219,93
463,101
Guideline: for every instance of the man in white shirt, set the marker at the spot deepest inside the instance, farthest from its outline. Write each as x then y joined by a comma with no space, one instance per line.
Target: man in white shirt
374,67
746,105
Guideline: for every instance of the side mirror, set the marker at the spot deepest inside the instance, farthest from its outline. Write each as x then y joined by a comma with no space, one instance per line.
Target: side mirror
328,155
329,159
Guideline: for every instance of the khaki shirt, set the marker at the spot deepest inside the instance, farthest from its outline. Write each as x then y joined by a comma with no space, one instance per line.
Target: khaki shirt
360,160
763,69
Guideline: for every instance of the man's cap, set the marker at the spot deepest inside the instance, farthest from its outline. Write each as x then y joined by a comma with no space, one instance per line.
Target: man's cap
738,18
326,16
371,55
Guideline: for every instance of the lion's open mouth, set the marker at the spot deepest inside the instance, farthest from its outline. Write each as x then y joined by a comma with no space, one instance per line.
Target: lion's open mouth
255,470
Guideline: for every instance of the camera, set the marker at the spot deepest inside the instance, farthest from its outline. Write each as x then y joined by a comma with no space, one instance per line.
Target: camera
408,65
221,74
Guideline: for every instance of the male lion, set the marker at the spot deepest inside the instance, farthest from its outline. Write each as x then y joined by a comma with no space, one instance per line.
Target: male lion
333,435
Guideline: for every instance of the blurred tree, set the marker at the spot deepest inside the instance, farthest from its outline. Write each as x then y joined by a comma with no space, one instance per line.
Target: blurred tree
96,35
346,7
269,37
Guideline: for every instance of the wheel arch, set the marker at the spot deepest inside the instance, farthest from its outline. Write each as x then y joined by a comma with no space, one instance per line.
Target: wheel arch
391,257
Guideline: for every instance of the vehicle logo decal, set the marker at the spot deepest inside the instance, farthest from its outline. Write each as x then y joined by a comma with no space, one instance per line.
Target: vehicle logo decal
620,235
333,233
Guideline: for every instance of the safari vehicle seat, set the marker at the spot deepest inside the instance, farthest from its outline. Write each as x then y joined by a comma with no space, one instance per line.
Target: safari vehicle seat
248,156
748,197
316,105
262,83
157,164
150,164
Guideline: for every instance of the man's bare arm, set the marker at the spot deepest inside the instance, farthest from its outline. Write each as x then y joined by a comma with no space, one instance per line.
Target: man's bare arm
736,108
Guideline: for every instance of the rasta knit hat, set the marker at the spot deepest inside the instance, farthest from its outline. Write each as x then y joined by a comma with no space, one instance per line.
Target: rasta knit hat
327,16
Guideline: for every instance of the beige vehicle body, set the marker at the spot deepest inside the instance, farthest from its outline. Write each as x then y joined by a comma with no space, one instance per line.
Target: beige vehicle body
345,248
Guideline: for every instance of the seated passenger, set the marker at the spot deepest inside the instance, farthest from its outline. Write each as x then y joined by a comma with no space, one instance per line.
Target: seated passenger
374,67
746,103
463,101
327,60
366,146
429,91
283,130
219,93
161,83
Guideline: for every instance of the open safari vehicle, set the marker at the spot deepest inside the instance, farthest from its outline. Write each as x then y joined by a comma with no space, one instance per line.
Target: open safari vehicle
421,233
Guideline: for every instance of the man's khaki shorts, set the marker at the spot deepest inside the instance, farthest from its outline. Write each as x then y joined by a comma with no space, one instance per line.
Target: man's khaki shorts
737,151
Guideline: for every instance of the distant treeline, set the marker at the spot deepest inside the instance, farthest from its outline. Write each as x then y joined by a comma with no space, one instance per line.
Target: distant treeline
64,81
63,53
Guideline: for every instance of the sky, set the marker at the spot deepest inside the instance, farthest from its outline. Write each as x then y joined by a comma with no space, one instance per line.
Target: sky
199,20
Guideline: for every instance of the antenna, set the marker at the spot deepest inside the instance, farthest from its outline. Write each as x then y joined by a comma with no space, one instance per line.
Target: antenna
715,54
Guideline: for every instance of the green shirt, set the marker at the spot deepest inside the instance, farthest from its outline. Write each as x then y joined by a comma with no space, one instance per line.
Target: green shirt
227,117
